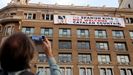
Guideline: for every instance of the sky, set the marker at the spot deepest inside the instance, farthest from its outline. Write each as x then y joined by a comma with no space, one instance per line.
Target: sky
93,3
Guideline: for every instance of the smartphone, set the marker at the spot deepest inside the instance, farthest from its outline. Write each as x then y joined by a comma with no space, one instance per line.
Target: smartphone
38,39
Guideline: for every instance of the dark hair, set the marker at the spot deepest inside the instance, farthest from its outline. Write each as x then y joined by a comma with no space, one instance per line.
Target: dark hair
16,52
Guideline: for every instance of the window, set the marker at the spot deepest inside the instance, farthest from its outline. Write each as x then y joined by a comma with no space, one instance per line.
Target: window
64,32
120,46
83,33
12,14
131,34
41,57
123,59
47,16
30,16
129,6
104,59
43,71
102,46
65,44
47,32
130,71
85,71
8,30
28,30
126,71
129,20
66,71
118,34
106,71
100,34
65,58
84,58
83,45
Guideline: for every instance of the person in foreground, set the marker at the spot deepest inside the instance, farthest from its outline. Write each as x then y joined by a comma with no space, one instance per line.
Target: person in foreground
17,52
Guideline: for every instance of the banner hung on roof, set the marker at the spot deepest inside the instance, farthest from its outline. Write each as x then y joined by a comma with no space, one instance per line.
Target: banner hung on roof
88,20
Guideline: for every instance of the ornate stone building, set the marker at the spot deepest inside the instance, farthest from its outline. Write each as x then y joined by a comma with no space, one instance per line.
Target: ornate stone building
85,40
125,3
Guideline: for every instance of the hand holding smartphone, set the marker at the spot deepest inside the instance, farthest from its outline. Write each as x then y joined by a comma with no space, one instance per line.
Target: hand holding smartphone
38,39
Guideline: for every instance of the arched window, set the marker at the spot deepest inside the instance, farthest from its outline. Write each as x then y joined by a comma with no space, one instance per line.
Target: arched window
8,29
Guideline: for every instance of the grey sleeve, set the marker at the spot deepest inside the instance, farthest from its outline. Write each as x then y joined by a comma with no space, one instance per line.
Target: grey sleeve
54,68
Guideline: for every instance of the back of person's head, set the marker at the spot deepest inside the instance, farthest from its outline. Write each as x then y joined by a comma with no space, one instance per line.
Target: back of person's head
16,52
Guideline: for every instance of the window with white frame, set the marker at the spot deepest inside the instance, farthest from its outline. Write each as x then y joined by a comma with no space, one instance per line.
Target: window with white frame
47,17
84,58
42,57
123,59
66,71
100,34
83,45
104,59
118,34
102,46
30,16
28,30
131,34
106,71
126,71
121,46
43,71
85,71
65,58
64,32
65,44
83,33
47,32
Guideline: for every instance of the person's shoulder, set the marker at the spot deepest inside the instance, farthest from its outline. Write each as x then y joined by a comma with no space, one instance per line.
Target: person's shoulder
26,73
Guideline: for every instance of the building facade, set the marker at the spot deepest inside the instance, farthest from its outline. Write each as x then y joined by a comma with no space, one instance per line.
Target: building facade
82,39
125,3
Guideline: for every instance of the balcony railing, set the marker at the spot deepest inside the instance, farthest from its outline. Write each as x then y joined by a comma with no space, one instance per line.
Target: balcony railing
10,18
123,63
118,37
104,62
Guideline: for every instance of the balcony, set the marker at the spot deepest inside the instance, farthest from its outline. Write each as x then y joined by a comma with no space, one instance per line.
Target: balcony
64,61
64,36
85,62
118,37
104,63
121,50
123,63
103,50
10,19
83,36
84,50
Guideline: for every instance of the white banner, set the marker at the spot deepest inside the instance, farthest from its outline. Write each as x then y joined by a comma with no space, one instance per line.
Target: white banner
88,20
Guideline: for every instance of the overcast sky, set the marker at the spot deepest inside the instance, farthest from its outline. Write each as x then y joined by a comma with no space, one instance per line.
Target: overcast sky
96,3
